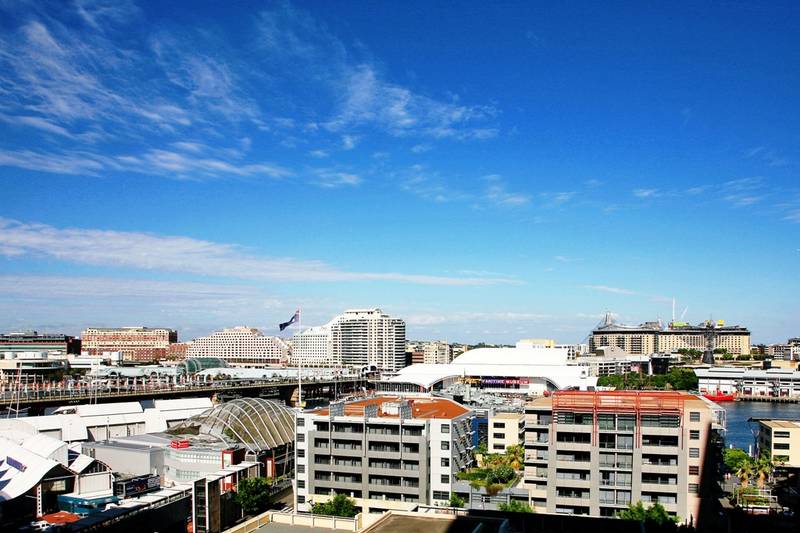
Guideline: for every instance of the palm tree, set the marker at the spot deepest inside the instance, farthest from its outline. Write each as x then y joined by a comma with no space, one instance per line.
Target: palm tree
763,468
746,472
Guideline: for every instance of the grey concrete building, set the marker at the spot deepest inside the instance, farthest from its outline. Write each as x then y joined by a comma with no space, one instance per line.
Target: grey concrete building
593,453
385,452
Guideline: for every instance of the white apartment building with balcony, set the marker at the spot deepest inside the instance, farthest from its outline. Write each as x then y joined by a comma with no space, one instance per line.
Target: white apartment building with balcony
387,453
357,338
241,346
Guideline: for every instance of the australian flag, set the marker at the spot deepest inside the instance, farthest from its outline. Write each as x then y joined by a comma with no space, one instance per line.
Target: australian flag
291,321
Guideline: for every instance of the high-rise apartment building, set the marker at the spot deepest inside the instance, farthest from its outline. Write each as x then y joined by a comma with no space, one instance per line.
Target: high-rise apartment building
593,453
356,338
387,453
241,346
135,343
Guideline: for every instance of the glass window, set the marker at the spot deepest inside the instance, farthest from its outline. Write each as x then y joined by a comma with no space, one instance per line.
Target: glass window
694,434
445,444
694,470
694,416
301,422
445,478
445,461
693,488
694,453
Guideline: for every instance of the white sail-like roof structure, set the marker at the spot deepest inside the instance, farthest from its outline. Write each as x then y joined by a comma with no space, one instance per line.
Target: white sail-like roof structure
548,365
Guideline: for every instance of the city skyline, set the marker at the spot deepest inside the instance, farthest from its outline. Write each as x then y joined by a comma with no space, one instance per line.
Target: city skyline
506,172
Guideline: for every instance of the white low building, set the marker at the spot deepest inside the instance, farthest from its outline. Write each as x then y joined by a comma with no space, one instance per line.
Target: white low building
776,382
94,422
525,369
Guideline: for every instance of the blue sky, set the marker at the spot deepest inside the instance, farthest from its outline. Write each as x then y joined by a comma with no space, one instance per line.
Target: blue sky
487,172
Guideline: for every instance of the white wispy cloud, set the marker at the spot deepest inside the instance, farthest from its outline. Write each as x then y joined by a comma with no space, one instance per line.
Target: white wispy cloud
146,251
646,193
99,13
768,156
319,154
461,317
48,303
613,290
627,292
566,259
331,178
154,162
421,148
365,98
349,141
497,194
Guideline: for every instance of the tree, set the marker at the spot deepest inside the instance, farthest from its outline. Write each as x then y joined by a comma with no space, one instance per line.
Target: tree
734,458
655,514
339,505
515,506
455,501
763,468
501,474
515,456
746,472
252,494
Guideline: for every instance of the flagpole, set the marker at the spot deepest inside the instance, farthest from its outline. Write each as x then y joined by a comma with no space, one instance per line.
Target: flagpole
299,362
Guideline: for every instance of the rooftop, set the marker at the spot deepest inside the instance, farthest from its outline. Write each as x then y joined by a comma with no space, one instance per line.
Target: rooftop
781,424
617,400
422,408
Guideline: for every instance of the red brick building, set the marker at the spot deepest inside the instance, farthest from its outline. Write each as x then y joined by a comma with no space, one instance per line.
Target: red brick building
135,343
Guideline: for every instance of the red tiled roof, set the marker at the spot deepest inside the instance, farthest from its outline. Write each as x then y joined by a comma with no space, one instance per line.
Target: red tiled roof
621,400
423,408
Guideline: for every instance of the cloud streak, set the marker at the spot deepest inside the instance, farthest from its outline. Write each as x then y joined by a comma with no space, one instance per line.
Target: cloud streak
174,254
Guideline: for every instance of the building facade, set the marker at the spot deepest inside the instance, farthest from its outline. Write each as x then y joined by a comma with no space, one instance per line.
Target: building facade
436,353
775,382
357,338
313,347
651,337
781,438
33,341
633,340
504,430
387,453
241,346
593,453
135,343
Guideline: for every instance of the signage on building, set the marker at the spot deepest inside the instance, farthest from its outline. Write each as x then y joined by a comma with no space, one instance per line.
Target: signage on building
137,485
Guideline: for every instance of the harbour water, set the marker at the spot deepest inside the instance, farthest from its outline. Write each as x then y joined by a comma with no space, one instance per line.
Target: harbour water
740,431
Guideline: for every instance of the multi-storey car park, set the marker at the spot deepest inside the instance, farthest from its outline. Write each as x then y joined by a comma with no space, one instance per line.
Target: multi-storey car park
593,453
386,452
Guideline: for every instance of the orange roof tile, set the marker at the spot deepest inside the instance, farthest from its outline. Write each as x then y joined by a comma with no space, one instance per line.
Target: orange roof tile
423,408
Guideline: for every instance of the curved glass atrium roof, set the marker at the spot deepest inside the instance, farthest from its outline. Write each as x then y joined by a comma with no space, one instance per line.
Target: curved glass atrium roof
256,423
193,365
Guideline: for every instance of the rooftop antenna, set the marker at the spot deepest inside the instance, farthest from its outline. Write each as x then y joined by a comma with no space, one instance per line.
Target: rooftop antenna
673,309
